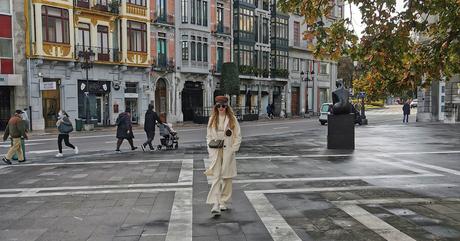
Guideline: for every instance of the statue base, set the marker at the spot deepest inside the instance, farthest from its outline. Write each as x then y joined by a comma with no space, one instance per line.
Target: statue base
341,132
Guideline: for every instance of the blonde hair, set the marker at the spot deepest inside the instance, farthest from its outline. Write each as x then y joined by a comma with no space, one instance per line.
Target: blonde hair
214,118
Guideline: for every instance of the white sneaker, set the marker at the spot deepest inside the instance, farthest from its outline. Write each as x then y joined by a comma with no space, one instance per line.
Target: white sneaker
59,155
215,211
223,207
76,150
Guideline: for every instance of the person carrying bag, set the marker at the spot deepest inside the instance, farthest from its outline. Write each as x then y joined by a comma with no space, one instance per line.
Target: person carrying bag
65,128
223,139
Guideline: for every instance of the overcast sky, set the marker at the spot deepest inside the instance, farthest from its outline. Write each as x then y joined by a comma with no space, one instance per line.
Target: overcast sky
356,15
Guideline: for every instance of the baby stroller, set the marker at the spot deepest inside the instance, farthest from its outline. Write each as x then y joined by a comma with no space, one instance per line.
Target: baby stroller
169,138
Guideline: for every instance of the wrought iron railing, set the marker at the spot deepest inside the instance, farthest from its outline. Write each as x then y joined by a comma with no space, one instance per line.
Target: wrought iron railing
102,54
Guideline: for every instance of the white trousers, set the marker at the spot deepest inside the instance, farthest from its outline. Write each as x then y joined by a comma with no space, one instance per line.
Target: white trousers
221,188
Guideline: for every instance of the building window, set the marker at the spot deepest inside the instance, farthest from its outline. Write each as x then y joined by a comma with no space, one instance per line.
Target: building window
102,43
265,31
245,55
256,28
265,4
340,11
205,13
220,17
6,48
324,68
138,2
220,56
55,25
193,12
245,21
199,12
184,4
84,36
161,10
184,47
205,50
295,63
161,50
193,48
199,50
279,59
5,6
297,34
137,36
102,36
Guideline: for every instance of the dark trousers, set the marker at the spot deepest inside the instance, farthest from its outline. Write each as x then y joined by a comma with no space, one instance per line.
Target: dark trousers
150,136
406,118
64,137
120,141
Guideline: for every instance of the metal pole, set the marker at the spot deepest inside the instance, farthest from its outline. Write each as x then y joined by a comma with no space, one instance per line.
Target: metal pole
87,93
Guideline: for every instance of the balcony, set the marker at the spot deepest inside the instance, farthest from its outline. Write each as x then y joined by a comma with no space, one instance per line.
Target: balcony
102,54
136,9
162,64
280,73
107,7
220,29
164,20
82,3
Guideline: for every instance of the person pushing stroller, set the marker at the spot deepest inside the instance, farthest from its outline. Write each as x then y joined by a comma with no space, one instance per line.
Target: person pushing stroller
168,134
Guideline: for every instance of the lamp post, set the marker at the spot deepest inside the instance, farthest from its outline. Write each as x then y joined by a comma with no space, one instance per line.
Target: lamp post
306,80
312,72
86,59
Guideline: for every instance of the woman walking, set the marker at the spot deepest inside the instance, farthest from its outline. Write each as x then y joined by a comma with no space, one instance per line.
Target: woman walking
125,129
223,139
64,127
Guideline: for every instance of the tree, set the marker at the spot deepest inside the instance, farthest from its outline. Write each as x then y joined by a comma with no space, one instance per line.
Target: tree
345,70
397,49
230,82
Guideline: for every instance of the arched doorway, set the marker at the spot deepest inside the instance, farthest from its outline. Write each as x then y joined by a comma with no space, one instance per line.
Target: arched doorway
160,96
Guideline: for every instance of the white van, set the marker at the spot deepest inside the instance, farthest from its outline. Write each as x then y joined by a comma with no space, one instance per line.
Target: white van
325,110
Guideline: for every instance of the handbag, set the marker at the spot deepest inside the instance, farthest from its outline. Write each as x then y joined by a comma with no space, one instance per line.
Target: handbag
65,128
216,144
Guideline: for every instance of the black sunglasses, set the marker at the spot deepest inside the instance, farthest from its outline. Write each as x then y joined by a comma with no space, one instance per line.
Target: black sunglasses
221,105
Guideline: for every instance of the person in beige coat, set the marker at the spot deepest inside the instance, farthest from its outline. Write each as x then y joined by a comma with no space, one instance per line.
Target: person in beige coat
222,125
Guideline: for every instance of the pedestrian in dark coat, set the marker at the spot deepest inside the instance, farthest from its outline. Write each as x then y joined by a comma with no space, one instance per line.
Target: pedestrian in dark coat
151,119
65,128
406,111
125,129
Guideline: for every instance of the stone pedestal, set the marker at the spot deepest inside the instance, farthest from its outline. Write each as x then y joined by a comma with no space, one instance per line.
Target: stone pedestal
341,132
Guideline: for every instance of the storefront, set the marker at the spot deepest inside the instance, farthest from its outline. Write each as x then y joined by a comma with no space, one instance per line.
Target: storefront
93,101
5,106
192,98
131,100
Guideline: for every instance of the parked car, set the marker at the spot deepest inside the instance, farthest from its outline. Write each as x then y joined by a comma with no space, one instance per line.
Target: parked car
413,103
326,109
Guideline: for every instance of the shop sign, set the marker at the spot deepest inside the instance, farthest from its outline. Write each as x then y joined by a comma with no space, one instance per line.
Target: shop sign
131,95
10,79
48,85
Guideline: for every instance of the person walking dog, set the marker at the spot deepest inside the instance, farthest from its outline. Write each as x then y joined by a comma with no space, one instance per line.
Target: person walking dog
16,130
125,129
151,118
223,139
406,111
64,127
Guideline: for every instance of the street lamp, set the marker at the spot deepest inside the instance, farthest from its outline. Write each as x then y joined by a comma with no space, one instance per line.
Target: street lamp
86,59
306,80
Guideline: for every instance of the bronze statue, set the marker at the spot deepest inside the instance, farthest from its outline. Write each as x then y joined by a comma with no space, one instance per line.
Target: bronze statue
341,106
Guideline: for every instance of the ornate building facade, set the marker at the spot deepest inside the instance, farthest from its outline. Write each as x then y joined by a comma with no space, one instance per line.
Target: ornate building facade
115,33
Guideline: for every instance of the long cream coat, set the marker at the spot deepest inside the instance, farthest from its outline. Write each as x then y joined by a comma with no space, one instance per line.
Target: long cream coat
231,146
